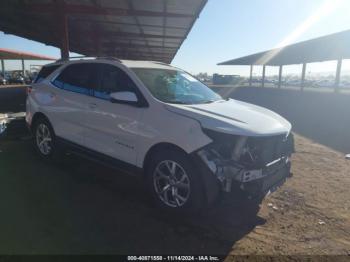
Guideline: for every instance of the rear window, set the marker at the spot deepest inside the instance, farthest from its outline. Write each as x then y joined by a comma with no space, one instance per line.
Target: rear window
45,72
78,78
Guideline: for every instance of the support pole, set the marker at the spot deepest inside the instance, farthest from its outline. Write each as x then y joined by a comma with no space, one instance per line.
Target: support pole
303,77
251,75
23,69
3,67
337,76
280,76
263,76
63,29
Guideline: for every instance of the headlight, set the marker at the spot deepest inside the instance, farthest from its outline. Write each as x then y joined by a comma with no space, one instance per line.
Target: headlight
226,145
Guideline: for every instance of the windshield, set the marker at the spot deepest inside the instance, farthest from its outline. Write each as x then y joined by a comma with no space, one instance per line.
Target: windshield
175,86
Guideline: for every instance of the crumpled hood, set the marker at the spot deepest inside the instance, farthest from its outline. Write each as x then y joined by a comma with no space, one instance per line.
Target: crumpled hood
235,117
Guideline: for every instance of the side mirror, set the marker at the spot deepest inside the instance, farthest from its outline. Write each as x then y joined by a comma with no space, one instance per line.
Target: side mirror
124,97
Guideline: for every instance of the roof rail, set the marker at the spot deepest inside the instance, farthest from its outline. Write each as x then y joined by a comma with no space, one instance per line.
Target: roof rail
160,63
72,58
109,57
87,57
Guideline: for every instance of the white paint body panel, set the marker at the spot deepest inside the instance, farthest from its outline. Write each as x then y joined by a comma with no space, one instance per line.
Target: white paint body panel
235,117
127,133
65,110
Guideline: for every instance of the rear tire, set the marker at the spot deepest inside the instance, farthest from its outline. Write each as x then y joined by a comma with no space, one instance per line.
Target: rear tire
173,182
44,140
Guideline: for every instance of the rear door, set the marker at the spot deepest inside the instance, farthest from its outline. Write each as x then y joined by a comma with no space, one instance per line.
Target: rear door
70,97
113,128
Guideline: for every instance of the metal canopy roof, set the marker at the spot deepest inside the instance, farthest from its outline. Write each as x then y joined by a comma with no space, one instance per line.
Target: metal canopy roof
331,47
18,55
127,29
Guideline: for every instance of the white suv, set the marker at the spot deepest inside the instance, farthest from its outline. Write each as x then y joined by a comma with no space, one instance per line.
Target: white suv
156,120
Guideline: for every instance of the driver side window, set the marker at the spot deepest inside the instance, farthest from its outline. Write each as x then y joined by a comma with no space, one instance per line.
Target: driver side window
113,79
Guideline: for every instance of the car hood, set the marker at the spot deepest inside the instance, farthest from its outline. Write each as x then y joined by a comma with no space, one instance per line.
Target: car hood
234,117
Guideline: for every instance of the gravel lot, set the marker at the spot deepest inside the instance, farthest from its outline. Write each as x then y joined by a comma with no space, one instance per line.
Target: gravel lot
83,208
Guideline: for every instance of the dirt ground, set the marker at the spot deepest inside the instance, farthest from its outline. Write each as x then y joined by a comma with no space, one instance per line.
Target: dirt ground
310,214
84,208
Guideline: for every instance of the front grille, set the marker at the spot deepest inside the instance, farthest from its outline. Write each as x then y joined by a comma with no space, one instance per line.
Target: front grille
264,150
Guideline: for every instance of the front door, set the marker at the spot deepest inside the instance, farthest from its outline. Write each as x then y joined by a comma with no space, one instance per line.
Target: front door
112,128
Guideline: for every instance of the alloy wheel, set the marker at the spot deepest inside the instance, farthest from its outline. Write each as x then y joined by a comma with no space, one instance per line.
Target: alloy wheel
171,183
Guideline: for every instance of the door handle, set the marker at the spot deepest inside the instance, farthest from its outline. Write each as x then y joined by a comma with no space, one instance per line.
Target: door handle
92,105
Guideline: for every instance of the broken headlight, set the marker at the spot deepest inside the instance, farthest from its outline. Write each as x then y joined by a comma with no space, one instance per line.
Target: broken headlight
250,152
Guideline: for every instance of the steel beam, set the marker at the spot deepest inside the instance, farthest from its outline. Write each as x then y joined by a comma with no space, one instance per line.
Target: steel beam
97,10
84,20
23,68
3,67
280,76
108,34
137,46
128,34
131,7
199,9
302,85
165,6
251,75
263,76
64,33
337,76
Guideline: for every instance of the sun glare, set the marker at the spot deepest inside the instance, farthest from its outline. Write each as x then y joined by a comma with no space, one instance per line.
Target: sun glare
327,8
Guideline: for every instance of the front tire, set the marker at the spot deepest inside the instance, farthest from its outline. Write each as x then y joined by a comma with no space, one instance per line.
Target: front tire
173,182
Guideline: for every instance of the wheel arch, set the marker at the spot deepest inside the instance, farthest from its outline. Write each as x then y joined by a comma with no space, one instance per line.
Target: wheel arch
158,148
209,182
36,117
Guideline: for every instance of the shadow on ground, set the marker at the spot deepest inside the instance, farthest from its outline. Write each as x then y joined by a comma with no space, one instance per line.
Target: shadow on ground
78,207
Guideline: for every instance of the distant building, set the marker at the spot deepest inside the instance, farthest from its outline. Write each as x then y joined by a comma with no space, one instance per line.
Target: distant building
225,79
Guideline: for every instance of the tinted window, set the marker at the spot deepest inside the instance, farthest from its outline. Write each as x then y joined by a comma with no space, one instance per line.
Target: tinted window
78,78
45,72
113,80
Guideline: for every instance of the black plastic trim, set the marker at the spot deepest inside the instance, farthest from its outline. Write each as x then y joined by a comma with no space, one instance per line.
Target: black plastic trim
211,183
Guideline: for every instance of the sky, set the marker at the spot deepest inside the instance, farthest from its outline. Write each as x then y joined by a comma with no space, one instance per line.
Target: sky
228,29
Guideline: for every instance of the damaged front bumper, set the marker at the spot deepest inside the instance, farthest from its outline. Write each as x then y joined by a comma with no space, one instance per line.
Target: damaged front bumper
254,182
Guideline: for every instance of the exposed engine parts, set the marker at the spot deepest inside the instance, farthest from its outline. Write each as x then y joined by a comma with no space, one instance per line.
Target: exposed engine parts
247,159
